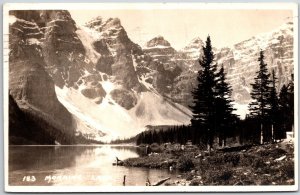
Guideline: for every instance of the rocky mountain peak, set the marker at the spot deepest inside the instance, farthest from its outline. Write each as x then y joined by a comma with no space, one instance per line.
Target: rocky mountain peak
197,40
95,22
100,25
158,41
190,54
116,51
113,22
240,62
195,43
161,51
41,17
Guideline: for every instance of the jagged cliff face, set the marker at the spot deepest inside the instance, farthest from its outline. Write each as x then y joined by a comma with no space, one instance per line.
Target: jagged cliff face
190,54
161,51
240,63
187,58
130,65
63,51
30,85
114,54
119,52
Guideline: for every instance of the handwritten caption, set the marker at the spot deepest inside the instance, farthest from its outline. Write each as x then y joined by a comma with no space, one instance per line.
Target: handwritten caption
62,178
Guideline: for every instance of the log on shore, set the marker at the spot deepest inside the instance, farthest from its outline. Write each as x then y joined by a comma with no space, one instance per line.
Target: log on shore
161,181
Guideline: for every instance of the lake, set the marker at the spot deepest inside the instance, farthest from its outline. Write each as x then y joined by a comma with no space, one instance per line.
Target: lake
78,165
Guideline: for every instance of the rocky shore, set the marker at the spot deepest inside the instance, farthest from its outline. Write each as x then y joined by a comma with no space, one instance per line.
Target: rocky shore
269,164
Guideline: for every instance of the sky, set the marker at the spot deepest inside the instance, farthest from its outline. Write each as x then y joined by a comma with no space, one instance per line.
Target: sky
179,27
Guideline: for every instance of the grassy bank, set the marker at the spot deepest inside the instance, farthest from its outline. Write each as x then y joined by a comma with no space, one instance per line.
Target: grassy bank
270,164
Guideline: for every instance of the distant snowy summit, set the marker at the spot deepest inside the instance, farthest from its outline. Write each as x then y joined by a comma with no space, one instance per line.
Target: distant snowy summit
241,64
193,50
158,42
240,60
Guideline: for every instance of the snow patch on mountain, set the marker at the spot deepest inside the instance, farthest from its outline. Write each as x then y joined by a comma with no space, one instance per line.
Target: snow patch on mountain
87,41
101,117
113,121
108,86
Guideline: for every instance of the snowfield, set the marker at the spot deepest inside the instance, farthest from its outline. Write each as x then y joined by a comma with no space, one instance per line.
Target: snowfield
114,121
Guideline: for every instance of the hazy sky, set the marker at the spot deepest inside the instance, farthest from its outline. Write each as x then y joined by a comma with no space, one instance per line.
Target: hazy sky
179,27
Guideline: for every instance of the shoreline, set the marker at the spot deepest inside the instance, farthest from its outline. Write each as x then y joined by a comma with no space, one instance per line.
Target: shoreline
268,164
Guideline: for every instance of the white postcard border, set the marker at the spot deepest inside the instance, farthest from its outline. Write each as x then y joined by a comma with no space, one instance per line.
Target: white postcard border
116,6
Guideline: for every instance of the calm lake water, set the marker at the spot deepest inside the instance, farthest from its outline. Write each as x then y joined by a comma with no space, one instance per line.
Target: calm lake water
77,165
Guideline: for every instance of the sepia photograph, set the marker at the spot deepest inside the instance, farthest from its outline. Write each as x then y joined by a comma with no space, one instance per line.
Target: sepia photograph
150,97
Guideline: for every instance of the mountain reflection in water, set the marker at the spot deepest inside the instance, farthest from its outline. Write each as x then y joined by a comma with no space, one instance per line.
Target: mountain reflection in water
77,165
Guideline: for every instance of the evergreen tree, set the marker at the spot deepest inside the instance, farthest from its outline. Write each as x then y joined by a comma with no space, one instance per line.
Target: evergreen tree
224,116
204,96
284,109
260,94
274,108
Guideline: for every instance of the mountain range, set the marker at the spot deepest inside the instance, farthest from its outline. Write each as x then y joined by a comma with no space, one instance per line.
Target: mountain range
71,83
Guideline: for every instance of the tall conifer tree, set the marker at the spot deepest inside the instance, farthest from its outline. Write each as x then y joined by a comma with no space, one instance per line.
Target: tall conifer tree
284,108
204,96
260,94
274,108
224,107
